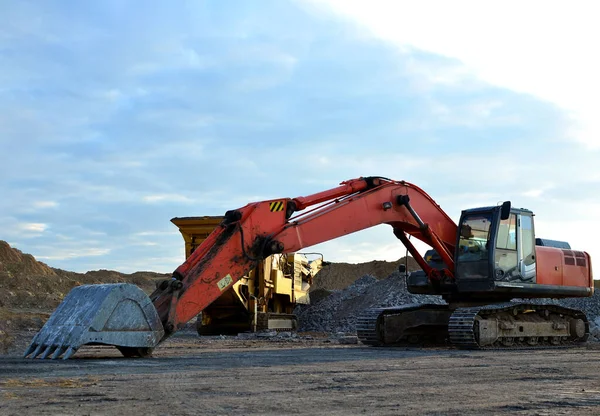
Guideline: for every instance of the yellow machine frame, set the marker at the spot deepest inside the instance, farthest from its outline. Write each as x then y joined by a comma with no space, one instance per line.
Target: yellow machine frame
263,299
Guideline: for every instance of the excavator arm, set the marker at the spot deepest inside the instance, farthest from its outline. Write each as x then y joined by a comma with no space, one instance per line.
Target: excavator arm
124,316
257,230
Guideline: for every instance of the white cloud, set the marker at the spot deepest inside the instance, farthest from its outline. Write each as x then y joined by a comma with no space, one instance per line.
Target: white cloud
62,254
538,47
45,204
476,114
428,75
538,191
533,193
166,198
33,227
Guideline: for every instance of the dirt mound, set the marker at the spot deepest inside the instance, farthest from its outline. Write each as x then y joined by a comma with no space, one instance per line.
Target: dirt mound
30,290
337,276
338,311
14,263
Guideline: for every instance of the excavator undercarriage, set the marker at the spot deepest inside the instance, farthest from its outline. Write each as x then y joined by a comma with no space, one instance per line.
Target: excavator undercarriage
493,326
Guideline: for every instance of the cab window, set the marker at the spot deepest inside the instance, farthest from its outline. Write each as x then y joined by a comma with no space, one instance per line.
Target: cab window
507,234
528,239
474,235
506,249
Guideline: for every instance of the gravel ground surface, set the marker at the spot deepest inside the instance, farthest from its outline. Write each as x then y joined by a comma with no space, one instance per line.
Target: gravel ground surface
303,376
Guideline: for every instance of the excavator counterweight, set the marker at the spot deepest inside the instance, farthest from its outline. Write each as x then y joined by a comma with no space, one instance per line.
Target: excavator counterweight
484,262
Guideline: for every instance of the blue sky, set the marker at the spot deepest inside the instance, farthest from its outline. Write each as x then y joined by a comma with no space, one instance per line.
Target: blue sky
117,116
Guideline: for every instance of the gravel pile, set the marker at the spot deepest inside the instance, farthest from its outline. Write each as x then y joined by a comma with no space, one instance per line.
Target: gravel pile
338,311
591,305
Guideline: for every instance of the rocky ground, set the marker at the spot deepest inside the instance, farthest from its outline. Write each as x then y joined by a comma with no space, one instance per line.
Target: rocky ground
301,375
320,370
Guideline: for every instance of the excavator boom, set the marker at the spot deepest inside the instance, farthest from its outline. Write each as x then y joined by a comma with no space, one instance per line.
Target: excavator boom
245,237
251,233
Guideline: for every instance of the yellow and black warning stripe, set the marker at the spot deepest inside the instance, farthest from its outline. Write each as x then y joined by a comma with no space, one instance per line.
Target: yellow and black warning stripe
276,206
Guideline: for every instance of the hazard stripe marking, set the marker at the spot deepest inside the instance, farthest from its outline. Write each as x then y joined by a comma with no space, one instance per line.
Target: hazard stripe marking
276,206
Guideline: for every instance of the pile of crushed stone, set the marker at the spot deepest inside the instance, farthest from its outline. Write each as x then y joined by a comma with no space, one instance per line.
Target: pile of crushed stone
338,311
591,305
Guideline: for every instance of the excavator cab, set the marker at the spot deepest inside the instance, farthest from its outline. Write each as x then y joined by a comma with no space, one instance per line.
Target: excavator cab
495,244
497,258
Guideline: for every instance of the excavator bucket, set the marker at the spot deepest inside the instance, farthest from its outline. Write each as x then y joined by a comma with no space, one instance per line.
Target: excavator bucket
111,314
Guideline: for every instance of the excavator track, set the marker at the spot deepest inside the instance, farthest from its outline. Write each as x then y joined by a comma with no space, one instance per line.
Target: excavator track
497,326
405,325
366,327
517,325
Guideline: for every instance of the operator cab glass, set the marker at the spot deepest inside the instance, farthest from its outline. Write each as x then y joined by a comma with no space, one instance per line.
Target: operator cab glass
494,249
505,256
473,246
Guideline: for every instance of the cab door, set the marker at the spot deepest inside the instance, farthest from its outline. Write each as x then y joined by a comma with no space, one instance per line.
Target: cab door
514,258
506,259
526,247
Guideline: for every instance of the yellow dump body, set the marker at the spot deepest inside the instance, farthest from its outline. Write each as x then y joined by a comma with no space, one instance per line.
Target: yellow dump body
263,299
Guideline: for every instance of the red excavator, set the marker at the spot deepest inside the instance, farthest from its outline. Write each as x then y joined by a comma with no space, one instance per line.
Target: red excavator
484,263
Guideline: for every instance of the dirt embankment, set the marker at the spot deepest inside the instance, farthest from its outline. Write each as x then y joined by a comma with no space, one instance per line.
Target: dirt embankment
339,276
30,290
336,276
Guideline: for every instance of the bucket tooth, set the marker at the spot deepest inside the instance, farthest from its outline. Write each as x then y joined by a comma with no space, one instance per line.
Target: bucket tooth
110,314
29,350
48,351
59,351
37,351
69,353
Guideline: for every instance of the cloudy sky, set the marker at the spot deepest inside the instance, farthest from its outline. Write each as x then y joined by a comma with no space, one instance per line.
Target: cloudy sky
117,116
